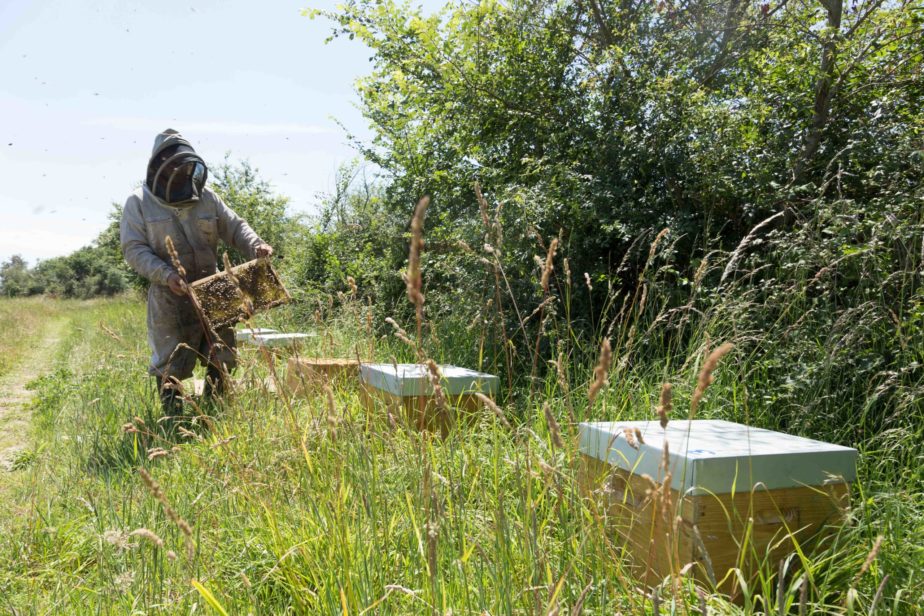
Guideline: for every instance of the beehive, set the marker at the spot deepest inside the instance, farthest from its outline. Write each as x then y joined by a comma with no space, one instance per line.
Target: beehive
407,392
196,387
306,375
223,302
281,341
246,335
730,486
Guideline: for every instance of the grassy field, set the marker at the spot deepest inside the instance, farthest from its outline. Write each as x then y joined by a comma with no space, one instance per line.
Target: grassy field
20,319
269,505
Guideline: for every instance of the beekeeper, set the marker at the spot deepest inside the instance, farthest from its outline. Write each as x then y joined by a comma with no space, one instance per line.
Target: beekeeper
174,202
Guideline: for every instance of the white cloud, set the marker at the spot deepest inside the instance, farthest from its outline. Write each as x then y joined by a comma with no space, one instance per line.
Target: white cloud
58,229
35,242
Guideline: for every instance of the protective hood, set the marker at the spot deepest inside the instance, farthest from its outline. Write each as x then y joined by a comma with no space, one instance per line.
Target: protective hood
176,174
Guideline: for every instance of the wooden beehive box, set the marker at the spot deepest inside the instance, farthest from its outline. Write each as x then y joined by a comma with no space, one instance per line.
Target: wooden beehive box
730,486
407,392
224,303
196,387
306,375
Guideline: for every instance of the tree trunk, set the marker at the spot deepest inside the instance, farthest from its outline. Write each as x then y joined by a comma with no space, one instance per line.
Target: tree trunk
823,89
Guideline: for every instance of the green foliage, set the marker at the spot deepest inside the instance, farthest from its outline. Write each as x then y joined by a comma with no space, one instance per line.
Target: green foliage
253,199
109,244
603,123
355,235
85,273
713,172
16,280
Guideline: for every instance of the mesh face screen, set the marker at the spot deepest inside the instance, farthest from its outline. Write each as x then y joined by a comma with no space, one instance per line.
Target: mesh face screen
177,175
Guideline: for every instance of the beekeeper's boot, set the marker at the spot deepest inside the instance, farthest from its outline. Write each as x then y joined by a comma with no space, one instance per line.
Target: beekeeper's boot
215,383
170,399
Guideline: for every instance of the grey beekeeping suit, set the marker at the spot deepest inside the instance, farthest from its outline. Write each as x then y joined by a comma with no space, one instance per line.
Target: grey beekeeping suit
195,218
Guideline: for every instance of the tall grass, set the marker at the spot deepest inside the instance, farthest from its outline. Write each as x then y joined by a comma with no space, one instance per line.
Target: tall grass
320,505
20,320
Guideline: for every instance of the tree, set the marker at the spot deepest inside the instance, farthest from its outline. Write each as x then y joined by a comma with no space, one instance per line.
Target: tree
85,273
15,278
602,122
252,198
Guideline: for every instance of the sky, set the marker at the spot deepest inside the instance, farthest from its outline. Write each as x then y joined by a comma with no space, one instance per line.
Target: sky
87,84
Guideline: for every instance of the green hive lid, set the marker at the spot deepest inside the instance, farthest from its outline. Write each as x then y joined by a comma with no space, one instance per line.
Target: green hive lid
413,380
714,456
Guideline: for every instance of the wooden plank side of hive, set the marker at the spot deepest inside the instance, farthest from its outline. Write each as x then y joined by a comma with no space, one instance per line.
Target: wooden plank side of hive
422,412
747,529
305,375
642,528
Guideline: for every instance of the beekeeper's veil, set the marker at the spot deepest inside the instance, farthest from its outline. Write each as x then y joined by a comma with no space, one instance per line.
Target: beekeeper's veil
176,174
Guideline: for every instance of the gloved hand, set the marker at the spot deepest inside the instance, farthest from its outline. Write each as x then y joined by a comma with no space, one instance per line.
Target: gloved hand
176,284
264,250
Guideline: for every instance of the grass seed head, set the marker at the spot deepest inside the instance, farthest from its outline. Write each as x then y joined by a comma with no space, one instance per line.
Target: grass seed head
149,535
482,206
229,271
630,438
400,333
700,271
331,407
175,257
705,375
601,371
873,554
117,539
664,409
436,381
666,500
554,428
157,452
657,240
185,433
158,494
492,406
549,265
414,279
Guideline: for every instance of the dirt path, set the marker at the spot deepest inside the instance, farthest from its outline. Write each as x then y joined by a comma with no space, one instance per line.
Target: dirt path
14,414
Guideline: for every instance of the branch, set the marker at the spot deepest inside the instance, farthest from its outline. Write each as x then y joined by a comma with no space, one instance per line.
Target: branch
823,90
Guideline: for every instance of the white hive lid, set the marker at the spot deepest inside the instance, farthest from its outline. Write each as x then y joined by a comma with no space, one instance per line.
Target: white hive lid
413,380
719,457
248,334
280,340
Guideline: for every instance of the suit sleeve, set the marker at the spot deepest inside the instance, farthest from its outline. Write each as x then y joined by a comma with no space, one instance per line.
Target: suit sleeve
135,248
234,231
